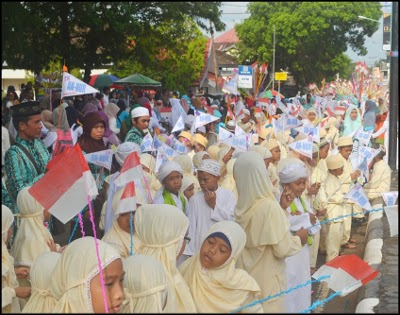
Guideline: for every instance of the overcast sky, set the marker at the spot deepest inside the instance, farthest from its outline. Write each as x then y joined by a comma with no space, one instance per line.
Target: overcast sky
235,12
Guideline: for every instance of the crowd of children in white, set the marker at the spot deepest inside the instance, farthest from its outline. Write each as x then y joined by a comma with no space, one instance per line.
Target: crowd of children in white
217,223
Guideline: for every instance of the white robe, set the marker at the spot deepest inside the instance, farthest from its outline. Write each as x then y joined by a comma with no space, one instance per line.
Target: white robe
202,216
159,200
298,272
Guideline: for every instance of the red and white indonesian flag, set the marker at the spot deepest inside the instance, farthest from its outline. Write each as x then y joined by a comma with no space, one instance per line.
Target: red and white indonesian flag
130,170
127,203
347,273
66,187
339,110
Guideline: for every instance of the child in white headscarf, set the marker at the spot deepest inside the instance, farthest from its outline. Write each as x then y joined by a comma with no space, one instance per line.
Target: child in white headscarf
269,240
162,231
119,235
187,187
293,175
170,176
42,300
148,164
76,283
145,285
10,289
216,284
186,163
32,238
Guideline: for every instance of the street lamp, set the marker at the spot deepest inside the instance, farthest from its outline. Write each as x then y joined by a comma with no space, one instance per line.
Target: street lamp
366,18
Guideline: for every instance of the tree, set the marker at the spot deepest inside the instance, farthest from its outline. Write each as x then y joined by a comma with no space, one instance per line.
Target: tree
176,62
310,37
89,34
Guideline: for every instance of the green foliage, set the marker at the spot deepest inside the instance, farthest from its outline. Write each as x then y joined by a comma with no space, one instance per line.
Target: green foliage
310,37
176,62
90,34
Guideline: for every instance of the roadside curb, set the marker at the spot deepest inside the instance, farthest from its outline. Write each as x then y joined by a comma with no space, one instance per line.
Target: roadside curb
368,297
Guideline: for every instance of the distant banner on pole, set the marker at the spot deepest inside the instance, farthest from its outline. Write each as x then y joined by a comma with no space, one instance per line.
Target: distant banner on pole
72,86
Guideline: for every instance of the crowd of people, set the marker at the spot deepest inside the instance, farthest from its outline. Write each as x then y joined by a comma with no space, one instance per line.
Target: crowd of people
215,226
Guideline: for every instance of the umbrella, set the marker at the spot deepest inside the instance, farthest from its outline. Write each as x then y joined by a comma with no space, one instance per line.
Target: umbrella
271,94
100,80
138,80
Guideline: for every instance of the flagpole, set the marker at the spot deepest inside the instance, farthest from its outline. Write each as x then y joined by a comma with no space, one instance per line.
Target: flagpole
273,63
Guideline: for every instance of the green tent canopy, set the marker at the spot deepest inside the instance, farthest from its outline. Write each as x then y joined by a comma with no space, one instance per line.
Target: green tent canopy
138,80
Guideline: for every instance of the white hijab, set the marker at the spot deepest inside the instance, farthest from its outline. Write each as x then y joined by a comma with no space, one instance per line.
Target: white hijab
32,236
41,299
77,266
161,230
222,289
145,285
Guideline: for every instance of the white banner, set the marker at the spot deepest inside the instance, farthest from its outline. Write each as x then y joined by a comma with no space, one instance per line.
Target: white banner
72,86
102,158
357,194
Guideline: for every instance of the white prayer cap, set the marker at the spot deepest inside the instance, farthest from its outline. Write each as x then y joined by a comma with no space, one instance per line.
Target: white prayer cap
345,141
246,111
139,112
167,168
334,162
230,126
290,170
124,149
210,166
186,182
262,151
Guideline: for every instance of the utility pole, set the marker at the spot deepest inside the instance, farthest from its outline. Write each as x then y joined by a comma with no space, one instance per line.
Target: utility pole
215,58
393,88
273,63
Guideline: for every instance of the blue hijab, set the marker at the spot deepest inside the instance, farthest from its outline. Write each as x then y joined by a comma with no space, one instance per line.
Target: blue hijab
370,115
349,124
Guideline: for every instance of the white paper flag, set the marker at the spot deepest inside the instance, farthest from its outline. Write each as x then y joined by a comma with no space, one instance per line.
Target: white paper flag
310,131
147,143
239,131
390,197
357,194
160,159
303,147
72,86
204,119
224,134
102,158
180,125
392,214
239,143
364,137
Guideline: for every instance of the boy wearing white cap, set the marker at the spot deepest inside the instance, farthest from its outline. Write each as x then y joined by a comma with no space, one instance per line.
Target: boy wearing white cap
335,206
210,205
347,179
244,121
140,122
170,176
